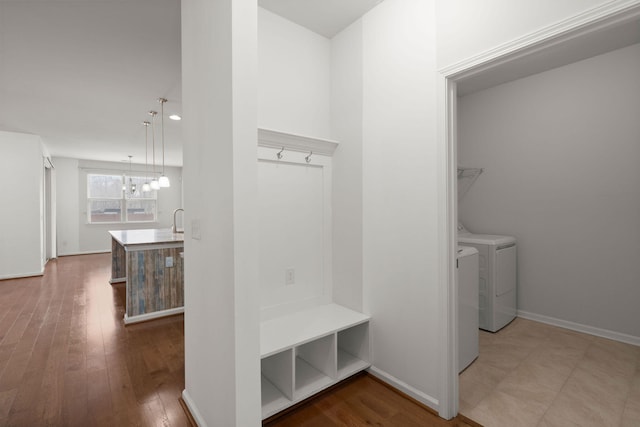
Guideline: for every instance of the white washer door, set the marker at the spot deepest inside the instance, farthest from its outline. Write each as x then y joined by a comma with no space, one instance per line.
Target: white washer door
505,270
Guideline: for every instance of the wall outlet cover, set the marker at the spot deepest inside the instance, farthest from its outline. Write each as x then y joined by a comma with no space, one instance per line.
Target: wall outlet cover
290,276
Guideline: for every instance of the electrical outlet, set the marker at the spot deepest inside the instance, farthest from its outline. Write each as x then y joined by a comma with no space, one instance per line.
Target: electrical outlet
290,276
168,261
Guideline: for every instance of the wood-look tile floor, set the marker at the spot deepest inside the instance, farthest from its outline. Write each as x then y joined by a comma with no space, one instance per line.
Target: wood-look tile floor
66,359
533,374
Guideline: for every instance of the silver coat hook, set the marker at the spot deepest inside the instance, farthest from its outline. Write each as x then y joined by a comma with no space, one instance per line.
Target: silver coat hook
308,158
279,153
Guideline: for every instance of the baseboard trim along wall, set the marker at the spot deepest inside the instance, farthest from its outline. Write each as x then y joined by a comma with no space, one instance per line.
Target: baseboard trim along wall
154,315
22,276
405,388
193,411
591,330
86,253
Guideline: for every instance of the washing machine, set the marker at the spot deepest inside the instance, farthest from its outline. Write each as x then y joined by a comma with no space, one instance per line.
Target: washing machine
497,277
468,295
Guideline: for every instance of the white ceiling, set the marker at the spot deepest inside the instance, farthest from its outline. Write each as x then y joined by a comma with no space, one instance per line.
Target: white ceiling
562,53
326,17
83,74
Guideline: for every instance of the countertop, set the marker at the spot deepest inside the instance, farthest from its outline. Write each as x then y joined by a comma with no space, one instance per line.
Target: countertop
146,237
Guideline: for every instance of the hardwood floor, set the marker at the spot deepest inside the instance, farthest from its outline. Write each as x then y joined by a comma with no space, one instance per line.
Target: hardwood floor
66,359
363,401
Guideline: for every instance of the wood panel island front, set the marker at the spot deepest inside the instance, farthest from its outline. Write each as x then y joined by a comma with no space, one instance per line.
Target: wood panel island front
151,262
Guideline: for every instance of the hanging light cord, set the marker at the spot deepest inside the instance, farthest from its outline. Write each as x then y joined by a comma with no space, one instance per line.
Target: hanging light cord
153,140
146,150
162,101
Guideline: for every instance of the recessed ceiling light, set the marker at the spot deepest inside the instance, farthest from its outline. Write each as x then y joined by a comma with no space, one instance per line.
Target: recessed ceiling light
175,117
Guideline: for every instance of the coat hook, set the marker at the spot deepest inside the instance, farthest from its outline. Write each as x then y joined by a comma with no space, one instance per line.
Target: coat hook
308,158
279,153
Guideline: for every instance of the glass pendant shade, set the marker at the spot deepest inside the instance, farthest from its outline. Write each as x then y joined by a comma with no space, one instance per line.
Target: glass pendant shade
146,187
164,181
155,185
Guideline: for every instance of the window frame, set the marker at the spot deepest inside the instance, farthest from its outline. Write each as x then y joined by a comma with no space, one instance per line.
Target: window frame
124,199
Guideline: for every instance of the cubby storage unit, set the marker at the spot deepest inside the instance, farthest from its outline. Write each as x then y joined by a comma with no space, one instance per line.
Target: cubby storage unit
353,350
307,351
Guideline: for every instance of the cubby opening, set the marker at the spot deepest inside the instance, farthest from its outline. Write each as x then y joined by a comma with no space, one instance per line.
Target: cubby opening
307,351
315,365
277,381
353,350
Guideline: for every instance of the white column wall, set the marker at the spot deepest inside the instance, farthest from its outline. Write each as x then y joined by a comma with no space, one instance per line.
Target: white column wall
400,192
346,127
21,174
222,358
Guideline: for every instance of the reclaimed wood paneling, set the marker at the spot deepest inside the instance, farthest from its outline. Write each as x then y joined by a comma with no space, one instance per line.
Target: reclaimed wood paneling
151,286
118,262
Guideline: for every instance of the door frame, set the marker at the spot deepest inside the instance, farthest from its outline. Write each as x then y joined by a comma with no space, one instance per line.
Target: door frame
584,24
49,212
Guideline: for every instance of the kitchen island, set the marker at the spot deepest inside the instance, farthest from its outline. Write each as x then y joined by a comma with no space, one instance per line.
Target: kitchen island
151,263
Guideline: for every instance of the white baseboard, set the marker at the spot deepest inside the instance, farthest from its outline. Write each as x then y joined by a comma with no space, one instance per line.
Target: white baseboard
85,253
22,276
193,409
150,316
591,330
421,397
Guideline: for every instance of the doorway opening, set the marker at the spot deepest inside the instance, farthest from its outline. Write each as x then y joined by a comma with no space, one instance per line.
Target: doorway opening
609,27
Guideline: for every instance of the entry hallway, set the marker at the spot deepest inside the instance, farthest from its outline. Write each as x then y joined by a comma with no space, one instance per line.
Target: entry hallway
533,374
66,359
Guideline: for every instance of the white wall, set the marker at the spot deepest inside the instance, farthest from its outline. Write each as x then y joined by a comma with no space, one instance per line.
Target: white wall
400,232
385,235
69,219
219,86
75,235
346,127
291,202
560,151
469,27
294,78
21,174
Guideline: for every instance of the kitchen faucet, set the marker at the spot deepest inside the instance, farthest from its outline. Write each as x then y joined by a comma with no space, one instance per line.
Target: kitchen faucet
174,229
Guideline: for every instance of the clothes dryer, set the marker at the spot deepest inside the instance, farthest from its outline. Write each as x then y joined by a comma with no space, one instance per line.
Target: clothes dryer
497,277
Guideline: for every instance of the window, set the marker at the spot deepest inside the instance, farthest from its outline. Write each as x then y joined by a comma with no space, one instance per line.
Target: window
107,202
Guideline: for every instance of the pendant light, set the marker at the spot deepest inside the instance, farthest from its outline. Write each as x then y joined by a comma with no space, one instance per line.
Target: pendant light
164,180
146,187
154,184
